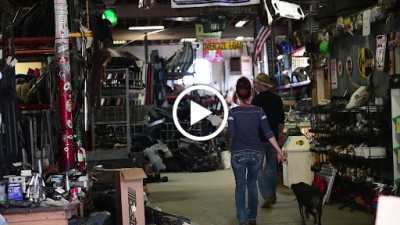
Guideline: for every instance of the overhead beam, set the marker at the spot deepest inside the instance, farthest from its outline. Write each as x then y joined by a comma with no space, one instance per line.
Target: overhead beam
189,32
126,11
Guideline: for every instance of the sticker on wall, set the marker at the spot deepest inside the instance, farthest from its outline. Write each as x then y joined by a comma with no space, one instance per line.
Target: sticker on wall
300,142
61,26
366,62
61,8
69,105
340,68
69,123
67,68
64,76
62,59
349,65
380,52
67,86
63,48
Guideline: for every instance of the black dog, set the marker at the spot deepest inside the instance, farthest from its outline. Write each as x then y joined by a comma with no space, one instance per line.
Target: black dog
310,200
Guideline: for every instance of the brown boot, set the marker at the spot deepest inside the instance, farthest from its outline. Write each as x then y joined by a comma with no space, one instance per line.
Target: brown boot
267,203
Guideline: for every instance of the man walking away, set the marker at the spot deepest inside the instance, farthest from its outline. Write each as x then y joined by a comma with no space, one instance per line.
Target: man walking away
273,107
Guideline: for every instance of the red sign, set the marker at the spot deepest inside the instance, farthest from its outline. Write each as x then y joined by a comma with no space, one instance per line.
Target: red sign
62,59
212,55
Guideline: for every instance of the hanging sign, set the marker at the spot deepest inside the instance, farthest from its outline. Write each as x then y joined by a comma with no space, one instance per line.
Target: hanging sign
340,68
366,27
333,74
380,52
227,45
349,65
209,36
398,126
212,55
366,62
204,3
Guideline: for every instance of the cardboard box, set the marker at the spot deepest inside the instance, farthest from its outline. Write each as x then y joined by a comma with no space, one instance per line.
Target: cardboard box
129,195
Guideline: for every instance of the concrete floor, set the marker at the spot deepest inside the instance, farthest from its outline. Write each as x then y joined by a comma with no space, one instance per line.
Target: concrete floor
208,199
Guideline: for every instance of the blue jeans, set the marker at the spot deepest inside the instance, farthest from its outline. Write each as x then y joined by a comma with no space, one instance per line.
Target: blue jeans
246,163
267,178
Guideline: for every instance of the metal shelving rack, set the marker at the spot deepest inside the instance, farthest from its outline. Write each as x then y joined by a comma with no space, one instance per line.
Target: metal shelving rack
119,115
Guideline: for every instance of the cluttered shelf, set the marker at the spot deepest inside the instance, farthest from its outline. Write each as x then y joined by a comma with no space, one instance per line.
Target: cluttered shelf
348,29
346,133
327,109
361,156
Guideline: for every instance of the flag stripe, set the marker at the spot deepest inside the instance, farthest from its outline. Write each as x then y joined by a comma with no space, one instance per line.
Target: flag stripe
261,38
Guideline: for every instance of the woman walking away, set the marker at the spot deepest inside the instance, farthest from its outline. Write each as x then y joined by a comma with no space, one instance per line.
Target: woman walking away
244,122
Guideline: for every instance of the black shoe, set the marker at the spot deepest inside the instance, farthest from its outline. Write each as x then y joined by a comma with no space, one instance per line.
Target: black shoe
252,222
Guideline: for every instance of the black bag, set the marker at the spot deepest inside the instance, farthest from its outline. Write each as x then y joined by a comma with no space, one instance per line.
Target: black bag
157,217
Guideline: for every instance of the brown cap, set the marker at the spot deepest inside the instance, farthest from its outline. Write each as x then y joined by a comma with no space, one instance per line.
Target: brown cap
263,79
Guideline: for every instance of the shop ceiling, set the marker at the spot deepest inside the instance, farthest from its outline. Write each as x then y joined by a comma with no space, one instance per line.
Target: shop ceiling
180,22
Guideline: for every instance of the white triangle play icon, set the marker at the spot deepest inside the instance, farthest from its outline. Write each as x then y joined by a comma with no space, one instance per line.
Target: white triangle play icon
197,112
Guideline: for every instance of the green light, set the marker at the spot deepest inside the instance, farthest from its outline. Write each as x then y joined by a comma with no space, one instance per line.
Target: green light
110,16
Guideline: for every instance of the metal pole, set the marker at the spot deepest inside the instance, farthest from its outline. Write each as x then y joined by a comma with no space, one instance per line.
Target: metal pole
146,49
64,83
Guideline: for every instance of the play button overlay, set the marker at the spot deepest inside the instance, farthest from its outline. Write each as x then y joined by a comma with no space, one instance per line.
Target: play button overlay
198,112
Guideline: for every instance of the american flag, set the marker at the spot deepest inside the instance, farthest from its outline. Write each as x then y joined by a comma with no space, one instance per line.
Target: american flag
261,34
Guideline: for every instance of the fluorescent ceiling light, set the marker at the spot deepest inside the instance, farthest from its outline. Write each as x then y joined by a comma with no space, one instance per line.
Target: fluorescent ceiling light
188,40
147,28
239,38
119,42
241,23
181,19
